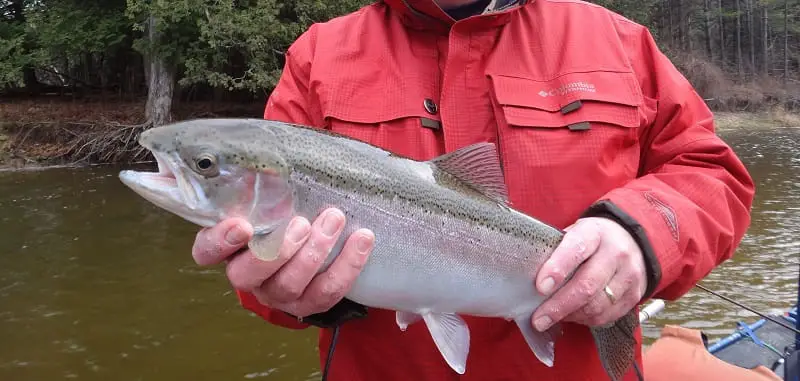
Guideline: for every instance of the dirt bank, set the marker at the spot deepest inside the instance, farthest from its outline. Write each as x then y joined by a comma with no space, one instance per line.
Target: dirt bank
776,118
43,132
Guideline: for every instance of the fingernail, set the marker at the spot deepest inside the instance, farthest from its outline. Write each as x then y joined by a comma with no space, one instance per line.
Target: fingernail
542,323
236,236
363,244
296,231
331,223
547,285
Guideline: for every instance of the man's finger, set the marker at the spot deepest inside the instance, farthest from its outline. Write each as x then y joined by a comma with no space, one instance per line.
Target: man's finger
587,282
578,244
602,310
247,272
600,305
213,245
291,281
329,287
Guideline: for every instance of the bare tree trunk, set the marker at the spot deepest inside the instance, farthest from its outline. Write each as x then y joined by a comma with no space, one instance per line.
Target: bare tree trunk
752,35
739,38
721,22
671,23
682,26
785,41
161,82
765,39
687,15
707,26
87,61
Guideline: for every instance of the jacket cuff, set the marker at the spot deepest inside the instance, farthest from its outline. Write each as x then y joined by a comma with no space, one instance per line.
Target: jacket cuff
607,209
251,303
341,312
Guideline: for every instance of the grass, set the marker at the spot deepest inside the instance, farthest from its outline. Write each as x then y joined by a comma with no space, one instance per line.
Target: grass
776,118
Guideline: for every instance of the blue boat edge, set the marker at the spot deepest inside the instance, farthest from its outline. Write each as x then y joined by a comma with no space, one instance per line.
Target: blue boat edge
763,343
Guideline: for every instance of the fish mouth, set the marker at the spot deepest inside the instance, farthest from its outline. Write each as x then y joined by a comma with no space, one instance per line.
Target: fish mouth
169,188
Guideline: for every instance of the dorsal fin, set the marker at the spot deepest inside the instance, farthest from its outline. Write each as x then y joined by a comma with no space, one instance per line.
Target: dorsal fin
478,166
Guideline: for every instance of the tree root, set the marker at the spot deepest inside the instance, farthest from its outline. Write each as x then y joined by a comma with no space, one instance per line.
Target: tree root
79,143
118,144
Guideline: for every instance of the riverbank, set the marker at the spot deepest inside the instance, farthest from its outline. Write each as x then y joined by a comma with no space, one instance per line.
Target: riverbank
35,133
777,118
51,132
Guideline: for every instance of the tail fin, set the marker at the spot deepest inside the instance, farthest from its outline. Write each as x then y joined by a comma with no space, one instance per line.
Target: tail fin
616,345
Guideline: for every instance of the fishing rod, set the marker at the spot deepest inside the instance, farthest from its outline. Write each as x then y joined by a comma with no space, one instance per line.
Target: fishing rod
776,321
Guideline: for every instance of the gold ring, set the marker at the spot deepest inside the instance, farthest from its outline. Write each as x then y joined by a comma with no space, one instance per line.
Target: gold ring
610,294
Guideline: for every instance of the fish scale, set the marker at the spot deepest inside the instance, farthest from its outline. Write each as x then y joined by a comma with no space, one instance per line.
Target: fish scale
447,241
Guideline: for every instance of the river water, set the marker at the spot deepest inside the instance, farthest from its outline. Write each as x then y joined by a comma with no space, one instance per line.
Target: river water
97,284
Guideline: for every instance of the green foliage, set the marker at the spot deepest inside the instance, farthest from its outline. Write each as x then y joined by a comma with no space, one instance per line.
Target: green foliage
238,45
70,28
56,35
311,11
13,56
235,45
175,21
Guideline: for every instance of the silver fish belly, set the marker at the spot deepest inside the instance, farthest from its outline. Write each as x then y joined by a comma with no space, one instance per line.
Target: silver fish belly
428,262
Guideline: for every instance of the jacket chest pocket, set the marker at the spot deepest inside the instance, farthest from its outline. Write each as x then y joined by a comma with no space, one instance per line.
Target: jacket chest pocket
578,131
399,126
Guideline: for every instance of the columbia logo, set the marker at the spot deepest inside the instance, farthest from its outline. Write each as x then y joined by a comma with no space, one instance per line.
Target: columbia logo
568,88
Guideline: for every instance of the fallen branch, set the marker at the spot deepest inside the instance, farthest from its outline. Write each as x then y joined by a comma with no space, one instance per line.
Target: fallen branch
80,143
114,144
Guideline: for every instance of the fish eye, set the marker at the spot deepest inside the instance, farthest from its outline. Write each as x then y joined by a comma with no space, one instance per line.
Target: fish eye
206,164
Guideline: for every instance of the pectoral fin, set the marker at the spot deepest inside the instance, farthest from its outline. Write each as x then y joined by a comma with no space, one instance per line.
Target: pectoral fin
541,343
616,345
404,319
451,335
265,245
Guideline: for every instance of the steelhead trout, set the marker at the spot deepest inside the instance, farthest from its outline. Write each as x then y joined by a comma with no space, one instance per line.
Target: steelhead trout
448,243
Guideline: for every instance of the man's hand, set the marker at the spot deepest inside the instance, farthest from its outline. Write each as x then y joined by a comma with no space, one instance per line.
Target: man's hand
290,283
609,257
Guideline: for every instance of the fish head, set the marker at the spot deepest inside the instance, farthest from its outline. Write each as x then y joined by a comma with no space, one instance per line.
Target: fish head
214,169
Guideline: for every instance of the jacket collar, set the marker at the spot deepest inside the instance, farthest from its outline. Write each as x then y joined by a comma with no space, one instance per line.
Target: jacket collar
426,14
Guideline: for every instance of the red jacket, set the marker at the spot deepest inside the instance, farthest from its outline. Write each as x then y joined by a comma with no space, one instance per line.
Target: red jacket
583,107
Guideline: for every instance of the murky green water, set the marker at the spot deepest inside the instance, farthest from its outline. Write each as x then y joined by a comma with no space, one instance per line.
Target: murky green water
96,284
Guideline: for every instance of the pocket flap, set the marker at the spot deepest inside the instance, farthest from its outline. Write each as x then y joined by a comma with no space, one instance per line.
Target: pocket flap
375,102
592,96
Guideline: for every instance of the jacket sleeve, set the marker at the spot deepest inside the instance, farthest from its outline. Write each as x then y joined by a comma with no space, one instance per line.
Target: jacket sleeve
289,102
689,207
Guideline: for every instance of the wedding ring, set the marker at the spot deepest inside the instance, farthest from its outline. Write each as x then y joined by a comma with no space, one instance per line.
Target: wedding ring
610,294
